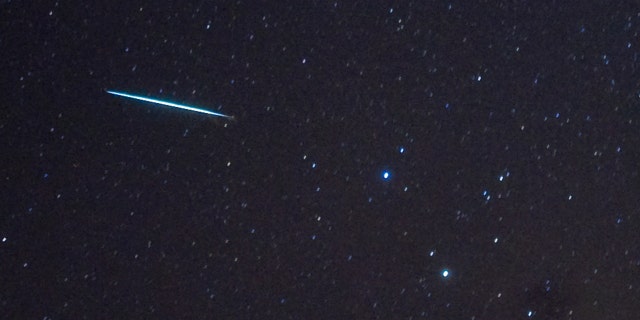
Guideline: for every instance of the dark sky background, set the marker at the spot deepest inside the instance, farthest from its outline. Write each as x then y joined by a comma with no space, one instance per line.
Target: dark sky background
508,132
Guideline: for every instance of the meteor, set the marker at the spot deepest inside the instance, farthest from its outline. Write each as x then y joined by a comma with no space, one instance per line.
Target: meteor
169,104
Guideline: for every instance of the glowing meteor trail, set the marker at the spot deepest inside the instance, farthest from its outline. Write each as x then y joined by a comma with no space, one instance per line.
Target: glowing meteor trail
169,104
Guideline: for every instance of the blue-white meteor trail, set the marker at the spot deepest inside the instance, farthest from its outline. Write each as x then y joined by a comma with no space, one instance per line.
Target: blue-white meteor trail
169,104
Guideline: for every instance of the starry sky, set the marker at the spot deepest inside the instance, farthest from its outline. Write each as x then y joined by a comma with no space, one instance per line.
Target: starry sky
385,160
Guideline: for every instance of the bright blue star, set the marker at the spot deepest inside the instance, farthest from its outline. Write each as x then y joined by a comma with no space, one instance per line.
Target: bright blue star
386,175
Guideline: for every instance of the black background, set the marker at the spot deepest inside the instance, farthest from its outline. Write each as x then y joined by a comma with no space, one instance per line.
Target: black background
120,209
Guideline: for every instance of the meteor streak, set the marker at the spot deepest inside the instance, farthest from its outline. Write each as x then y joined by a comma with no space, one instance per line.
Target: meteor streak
169,104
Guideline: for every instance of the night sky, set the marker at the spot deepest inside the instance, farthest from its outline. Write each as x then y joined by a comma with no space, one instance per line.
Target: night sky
405,160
